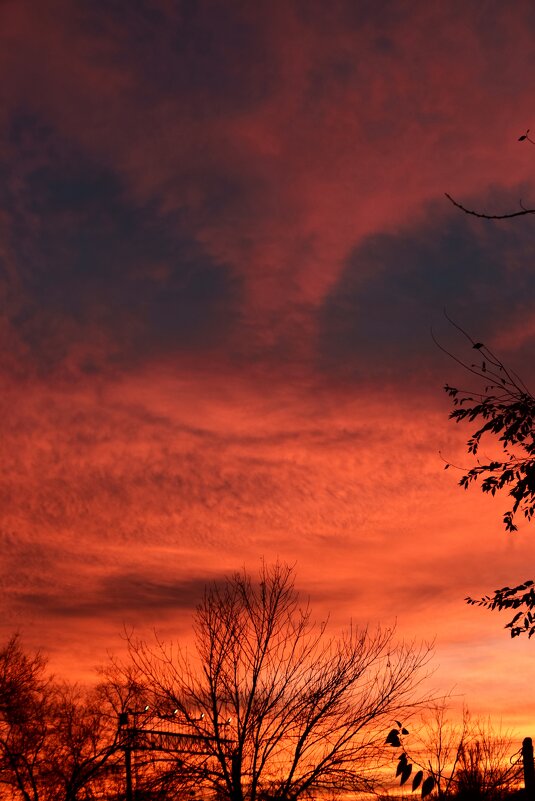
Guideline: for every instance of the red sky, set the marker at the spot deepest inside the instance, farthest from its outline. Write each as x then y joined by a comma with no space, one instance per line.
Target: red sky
223,244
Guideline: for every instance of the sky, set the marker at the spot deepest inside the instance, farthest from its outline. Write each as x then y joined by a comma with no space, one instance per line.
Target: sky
224,244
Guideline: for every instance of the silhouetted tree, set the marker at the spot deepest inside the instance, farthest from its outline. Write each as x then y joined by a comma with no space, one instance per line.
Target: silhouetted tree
278,709
443,739
55,739
461,759
429,756
486,770
124,698
503,408
83,740
25,704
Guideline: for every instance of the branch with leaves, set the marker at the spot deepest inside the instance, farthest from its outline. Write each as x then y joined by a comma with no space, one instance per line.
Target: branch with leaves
505,410
404,766
513,598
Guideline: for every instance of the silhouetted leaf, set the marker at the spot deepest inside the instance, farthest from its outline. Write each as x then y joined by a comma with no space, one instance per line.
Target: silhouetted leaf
417,780
521,138
406,773
393,738
427,786
398,724
478,345
402,764
404,731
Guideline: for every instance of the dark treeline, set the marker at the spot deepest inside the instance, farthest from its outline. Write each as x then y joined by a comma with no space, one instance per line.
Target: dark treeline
267,707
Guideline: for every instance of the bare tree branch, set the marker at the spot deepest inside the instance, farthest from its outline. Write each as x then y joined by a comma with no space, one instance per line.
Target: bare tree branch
483,216
283,710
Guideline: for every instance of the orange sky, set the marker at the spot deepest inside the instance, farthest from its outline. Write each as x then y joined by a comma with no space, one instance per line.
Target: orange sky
223,243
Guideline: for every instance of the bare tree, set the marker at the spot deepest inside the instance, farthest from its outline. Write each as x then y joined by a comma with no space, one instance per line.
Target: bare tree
82,744
443,739
25,700
274,707
56,740
487,771
123,697
430,754
460,758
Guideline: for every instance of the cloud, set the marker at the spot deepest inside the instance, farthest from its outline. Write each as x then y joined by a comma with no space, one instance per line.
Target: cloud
216,228
376,320
100,278
120,597
194,51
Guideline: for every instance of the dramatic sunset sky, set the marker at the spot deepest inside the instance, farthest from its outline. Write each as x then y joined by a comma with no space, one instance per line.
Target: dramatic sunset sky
224,242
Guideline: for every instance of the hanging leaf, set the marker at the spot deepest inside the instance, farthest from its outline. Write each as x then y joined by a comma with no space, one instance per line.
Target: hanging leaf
407,770
427,786
404,731
393,738
417,780
402,764
398,724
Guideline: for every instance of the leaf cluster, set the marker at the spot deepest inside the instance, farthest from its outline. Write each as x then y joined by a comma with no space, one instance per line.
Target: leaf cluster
505,410
523,596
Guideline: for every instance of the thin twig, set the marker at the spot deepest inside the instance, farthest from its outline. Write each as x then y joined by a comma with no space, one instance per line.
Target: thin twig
489,216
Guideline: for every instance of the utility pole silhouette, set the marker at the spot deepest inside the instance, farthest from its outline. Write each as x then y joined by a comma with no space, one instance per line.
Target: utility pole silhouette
529,768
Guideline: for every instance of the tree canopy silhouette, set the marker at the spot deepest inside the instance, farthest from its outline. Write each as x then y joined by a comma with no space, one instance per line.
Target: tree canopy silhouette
57,741
281,710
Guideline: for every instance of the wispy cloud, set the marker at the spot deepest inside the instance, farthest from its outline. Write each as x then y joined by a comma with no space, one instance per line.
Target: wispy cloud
223,241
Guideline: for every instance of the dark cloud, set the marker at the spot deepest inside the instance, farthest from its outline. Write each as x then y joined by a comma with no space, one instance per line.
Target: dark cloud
92,265
376,321
344,15
214,57
118,596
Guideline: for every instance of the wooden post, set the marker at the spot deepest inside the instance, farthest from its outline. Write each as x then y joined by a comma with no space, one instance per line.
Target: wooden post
529,768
